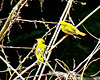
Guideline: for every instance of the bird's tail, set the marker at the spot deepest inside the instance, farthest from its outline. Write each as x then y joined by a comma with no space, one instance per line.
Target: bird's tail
81,33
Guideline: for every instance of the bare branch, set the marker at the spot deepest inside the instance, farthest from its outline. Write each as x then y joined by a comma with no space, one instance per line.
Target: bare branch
12,68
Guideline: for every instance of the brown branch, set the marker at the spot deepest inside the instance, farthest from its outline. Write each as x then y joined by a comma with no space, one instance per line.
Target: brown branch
10,17
37,21
95,74
15,47
2,3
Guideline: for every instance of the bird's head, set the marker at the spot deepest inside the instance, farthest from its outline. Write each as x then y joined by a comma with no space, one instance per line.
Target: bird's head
40,40
63,23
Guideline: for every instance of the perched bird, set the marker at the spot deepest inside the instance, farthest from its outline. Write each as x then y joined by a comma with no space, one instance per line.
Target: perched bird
40,50
70,29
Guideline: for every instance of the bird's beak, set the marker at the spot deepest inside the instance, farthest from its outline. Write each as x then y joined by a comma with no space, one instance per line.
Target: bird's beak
36,39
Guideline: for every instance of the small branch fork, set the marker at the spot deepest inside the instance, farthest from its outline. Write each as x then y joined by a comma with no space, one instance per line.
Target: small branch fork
11,18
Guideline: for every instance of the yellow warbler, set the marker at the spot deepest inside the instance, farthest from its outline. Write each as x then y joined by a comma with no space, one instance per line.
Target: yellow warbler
40,50
70,29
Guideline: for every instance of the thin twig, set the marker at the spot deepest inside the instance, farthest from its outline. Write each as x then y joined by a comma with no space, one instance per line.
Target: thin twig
29,67
88,16
11,68
51,68
95,74
29,74
58,61
3,19
90,33
48,31
89,57
36,21
57,43
2,3
37,71
6,57
16,47
42,75
92,62
24,59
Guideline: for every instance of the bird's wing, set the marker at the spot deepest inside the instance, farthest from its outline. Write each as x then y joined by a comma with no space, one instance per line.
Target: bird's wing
69,29
42,48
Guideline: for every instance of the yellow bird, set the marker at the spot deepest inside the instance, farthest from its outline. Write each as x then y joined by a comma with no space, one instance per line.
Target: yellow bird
70,29
40,50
